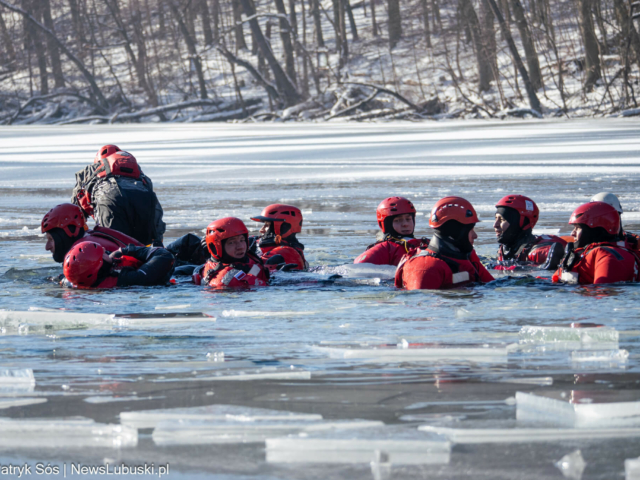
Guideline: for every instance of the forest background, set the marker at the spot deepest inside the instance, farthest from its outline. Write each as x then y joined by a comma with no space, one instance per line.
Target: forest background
110,61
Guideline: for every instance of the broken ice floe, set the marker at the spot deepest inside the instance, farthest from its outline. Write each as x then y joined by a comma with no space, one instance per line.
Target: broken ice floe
632,468
405,351
360,270
384,444
263,373
526,435
199,432
111,398
581,408
572,465
17,381
577,336
150,418
75,432
612,356
20,402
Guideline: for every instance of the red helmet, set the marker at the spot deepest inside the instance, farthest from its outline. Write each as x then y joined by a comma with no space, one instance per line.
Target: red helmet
597,214
282,214
392,206
452,208
82,264
62,216
526,207
222,229
105,151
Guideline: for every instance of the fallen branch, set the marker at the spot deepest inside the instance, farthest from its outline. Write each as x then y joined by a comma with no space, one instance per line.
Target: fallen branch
33,100
271,90
355,106
387,91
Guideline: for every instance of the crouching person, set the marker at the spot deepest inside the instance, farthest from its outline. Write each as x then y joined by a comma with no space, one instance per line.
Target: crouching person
450,260
231,264
595,256
89,265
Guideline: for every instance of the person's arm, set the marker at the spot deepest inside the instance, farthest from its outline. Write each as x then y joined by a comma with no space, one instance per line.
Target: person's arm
483,273
190,249
608,266
156,269
377,255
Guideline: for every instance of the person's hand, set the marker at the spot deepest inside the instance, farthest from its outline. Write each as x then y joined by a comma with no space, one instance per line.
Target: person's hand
115,256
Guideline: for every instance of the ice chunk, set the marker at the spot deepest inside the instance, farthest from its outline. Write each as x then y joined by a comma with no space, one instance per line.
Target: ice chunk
264,314
20,402
382,445
526,435
418,352
75,432
38,320
173,307
572,465
583,334
527,380
632,468
149,418
267,373
619,356
361,270
111,398
578,408
17,381
198,432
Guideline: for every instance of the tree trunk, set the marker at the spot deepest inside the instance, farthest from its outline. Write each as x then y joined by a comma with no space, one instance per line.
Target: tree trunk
285,35
285,86
8,48
206,22
191,47
489,38
35,40
425,19
317,23
527,41
485,72
629,33
293,20
78,28
241,44
531,93
352,20
142,64
437,19
52,47
215,16
395,22
591,50
374,24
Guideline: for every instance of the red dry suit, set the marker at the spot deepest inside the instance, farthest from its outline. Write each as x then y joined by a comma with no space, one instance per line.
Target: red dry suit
390,250
110,239
544,250
432,269
248,272
599,263
630,241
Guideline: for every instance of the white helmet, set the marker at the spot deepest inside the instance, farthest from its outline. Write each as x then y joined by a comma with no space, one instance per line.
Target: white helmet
609,198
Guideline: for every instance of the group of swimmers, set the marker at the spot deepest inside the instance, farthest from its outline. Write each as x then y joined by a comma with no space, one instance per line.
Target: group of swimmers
598,250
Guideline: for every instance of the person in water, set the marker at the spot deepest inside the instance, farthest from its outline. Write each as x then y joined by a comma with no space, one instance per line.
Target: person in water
277,245
64,227
516,215
118,195
231,264
595,257
397,221
89,265
450,260
625,238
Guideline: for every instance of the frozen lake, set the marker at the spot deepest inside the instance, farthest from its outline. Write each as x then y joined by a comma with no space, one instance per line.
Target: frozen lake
313,343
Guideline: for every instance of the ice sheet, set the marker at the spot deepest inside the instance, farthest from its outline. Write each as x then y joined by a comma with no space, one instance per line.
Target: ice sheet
526,435
150,418
75,432
614,356
418,352
198,432
361,270
632,468
14,381
389,445
20,402
530,334
581,408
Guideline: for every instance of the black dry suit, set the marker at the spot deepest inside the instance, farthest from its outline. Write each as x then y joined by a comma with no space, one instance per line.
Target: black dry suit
126,204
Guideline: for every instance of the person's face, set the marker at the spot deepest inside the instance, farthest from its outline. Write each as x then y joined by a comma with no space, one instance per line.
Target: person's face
51,243
403,224
500,225
472,235
236,246
265,228
576,233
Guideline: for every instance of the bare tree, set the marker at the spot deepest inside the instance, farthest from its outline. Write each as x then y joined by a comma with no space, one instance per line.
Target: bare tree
395,22
527,42
206,22
591,49
485,72
9,55
285,35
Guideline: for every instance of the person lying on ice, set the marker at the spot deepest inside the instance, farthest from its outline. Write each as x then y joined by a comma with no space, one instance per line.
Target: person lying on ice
88,265
397,221
450,260
625,239
277,244
231,264
118,195
64,227
595,257
516,216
